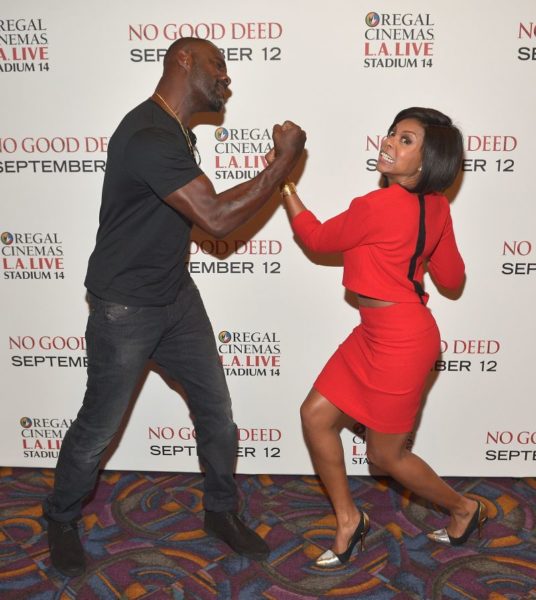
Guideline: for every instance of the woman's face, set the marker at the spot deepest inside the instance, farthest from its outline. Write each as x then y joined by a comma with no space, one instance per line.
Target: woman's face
400,156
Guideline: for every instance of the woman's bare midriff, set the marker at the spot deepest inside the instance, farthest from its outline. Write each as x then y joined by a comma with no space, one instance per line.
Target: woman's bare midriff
372,302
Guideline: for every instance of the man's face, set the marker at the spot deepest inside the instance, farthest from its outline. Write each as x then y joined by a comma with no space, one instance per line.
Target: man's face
209,77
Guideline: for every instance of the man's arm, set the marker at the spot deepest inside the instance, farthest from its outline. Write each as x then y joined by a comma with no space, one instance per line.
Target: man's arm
219,214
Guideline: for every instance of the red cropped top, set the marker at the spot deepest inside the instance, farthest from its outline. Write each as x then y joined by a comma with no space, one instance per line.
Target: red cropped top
385,237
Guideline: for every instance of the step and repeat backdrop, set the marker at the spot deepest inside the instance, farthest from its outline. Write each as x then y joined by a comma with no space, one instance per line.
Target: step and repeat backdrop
342,70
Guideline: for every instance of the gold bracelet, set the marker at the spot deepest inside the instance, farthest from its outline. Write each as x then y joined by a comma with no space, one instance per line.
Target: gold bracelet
287,189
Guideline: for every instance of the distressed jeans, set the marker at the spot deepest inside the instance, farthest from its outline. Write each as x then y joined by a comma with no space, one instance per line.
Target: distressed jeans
120,340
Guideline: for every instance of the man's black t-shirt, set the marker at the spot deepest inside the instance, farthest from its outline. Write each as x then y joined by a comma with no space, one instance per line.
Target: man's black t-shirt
142,242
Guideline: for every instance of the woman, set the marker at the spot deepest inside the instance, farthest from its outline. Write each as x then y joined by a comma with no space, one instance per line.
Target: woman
377,374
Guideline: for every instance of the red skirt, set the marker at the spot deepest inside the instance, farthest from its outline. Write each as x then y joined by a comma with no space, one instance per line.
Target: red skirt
378,373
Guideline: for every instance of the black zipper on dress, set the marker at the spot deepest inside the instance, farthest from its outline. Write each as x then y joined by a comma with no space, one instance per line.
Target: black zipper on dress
419,249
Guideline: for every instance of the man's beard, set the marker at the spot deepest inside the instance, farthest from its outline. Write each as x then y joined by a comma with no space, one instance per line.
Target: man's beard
209,90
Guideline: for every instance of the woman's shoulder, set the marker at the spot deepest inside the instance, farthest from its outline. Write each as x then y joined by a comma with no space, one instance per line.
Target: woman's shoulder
374,195
440,201
383,197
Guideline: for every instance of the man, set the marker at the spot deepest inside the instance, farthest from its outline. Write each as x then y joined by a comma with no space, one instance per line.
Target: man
143,303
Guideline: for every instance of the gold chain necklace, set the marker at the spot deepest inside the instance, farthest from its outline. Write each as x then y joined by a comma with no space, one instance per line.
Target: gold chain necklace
184,132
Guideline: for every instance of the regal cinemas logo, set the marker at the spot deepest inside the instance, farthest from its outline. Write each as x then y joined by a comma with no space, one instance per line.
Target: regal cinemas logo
398,40
23,45
527,33
239,154
31,255
358,448
42,436
250,353
52,154
47,351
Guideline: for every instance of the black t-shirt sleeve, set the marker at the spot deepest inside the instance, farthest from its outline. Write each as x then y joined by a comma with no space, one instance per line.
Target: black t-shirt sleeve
161,160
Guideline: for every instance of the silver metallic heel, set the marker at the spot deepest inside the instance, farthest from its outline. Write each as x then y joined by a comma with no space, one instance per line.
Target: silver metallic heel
477,521
329,559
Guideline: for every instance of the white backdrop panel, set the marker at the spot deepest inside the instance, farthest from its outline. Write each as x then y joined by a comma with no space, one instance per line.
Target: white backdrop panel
341,70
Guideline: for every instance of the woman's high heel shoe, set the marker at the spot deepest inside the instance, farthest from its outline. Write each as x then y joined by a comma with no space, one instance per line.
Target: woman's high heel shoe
330,559
476,522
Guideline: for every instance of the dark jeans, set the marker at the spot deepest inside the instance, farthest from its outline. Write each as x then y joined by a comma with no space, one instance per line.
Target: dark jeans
120,339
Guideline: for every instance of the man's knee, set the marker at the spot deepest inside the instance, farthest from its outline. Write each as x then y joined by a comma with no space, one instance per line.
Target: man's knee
86,446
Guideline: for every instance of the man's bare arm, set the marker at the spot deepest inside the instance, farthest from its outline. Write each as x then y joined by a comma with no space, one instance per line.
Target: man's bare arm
219,214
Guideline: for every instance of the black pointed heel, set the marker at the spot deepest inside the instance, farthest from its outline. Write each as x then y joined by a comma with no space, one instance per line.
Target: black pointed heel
330,559
476,523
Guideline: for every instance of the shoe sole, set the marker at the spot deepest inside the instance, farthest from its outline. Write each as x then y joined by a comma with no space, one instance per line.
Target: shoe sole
258,556
74,573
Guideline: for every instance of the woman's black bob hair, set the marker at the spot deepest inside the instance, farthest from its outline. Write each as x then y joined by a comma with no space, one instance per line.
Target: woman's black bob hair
442,149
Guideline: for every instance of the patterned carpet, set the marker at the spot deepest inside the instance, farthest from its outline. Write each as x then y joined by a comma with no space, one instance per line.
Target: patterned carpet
144,538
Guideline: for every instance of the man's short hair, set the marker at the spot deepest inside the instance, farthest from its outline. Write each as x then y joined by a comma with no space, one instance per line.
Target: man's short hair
185,43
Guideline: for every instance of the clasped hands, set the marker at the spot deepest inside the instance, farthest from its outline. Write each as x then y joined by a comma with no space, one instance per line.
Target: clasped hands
289,141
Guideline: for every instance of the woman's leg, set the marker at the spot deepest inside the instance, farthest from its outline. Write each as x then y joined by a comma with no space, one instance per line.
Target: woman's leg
388,452
322,423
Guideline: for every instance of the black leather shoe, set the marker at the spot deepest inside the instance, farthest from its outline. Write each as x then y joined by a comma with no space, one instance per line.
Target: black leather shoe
66,552
227,527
